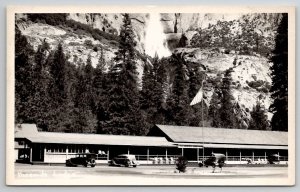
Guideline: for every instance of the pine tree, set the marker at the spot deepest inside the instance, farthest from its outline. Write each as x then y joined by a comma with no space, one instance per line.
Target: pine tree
124,116
100,88
215,103
41,97
214,108
84,102
226,111
61,91
177,102
198,113
159,93
279,74
88,81
146,96
259,119
23,78
152,93
58,72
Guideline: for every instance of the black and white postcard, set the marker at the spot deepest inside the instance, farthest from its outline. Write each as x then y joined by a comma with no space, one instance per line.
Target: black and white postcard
150,95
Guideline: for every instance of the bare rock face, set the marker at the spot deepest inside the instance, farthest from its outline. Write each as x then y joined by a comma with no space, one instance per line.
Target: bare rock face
246,72
76,47
111,23
250,74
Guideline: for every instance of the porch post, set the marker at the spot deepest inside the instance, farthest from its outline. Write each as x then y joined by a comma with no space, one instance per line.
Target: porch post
197,155
226,155
45,150
265,156
107,153
182,152
278,155
253,156
30,156
166,153
128,151
147,155
67,151
240,156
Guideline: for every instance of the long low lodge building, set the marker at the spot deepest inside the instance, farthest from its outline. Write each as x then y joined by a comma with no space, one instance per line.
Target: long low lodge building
162,145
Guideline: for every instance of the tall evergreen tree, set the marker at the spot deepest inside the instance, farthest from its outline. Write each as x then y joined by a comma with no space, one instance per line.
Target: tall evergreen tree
215,103
146,96
85,117
198,113
61,91
279,74
153,94
214,108
58,72
259,119
23,78
41,97
100,88
159,90
177,102
124,116
227,116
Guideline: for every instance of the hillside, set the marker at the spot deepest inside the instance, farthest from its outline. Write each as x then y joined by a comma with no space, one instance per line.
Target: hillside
219,42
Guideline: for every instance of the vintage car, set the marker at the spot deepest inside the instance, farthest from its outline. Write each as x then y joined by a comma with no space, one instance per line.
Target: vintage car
124,160
273,159
215,160
85,159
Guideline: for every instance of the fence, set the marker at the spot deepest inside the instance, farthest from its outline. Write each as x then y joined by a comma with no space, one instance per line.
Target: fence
163,159
247,159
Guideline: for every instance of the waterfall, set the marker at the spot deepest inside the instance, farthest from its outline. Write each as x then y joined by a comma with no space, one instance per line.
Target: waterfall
155,39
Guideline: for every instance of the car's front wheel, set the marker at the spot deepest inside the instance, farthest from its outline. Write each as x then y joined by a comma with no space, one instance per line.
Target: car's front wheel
93,162
127,163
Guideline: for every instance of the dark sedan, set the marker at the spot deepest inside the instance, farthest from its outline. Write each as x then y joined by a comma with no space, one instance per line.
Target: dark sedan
124,160
84,159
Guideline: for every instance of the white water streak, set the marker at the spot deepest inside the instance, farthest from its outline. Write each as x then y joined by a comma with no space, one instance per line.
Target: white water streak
155,39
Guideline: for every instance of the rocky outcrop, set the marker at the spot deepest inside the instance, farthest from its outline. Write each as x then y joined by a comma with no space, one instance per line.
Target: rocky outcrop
246,70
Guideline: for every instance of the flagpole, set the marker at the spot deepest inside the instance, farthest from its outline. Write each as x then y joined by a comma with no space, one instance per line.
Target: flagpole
202,132
197,99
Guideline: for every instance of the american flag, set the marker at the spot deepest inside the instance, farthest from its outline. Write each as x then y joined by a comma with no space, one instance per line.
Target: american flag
198,97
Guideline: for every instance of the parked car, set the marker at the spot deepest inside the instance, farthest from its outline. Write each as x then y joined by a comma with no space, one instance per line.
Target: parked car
124,160
85,159
273,159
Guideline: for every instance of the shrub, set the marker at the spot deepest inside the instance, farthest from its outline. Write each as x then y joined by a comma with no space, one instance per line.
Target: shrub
95,33
246,88
181,164
95,49
88,43
49,18
74,44
268,85
255,84
260,85
263,89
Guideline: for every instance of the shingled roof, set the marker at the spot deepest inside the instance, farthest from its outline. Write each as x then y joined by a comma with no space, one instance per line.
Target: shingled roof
29,131
210,135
